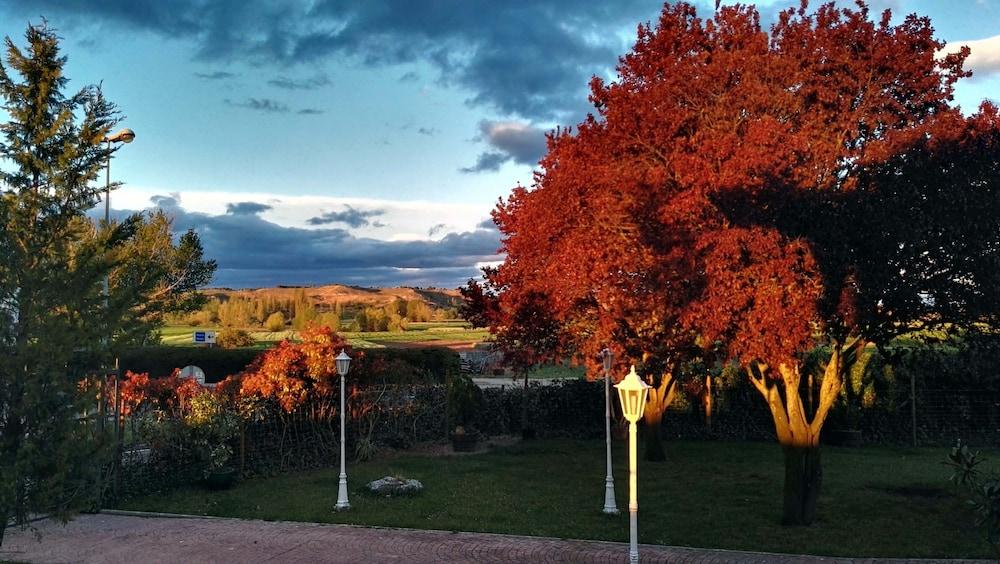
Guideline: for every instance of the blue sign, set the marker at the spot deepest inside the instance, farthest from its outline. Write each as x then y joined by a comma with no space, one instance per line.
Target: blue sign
199,336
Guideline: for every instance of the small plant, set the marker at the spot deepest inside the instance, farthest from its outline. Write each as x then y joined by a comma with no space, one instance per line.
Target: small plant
234,338
984,490
464,400
213,425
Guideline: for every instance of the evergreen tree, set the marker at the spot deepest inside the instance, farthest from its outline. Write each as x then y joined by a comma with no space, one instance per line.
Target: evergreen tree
154,276
51,270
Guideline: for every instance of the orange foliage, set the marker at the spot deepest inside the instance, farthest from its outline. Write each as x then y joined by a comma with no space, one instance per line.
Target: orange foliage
293,373
700,203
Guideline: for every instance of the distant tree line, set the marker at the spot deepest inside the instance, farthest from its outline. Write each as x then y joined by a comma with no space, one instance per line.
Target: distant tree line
278,314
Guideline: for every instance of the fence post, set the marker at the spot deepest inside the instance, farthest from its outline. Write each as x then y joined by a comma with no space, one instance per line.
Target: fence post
913,406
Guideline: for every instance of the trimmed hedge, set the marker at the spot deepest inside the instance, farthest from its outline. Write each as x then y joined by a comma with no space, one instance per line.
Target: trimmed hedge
430,365
161,361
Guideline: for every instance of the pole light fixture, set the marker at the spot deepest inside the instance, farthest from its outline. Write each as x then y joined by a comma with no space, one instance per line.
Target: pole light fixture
610,508
343,365
632,394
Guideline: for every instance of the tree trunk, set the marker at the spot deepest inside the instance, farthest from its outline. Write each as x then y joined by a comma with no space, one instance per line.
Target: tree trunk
657,401
803,478
527,431
797,432
708,402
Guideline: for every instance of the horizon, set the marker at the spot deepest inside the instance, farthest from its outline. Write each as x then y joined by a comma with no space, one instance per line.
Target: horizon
366,144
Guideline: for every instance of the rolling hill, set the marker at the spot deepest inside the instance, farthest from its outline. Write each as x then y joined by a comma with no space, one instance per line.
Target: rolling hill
333,293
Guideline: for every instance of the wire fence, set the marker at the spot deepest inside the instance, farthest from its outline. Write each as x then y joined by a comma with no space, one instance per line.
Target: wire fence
152,455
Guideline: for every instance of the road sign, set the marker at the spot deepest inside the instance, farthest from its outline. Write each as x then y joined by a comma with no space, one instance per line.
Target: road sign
204,337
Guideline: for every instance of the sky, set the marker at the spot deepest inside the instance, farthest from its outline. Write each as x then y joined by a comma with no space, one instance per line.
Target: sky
365,143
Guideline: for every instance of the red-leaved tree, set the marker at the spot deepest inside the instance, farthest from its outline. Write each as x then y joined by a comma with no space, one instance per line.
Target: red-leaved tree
767,193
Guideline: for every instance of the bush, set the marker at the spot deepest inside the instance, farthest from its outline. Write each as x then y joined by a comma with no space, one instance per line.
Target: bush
275,322
230,338
983,490
464,401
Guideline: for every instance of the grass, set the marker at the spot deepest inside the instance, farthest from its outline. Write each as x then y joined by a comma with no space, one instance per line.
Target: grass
876,502
429,332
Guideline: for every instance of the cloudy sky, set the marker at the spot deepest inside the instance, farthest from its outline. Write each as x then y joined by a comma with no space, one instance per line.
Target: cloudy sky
317,141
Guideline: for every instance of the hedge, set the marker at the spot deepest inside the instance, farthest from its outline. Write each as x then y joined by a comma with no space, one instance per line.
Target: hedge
431,365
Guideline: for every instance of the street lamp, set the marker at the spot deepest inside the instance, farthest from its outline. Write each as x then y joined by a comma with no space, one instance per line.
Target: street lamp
125,135
343,364
632,394
122,136
607,357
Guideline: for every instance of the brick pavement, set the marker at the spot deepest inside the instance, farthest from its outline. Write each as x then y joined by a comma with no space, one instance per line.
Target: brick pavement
117,538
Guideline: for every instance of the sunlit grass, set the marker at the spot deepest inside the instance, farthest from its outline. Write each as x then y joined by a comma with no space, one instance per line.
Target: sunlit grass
431,332
876,501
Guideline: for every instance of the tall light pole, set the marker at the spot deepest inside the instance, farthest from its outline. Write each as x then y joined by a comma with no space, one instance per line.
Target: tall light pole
607,357
632,394
122,136
343,364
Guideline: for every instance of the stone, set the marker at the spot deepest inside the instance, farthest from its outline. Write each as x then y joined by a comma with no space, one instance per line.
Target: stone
390,486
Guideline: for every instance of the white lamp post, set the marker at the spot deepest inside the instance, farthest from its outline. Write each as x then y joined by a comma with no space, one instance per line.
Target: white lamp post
607,357
632,394
343,364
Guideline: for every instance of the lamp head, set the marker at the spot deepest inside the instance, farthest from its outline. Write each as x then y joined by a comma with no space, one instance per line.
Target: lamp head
343,363
632,394
608,358
122,136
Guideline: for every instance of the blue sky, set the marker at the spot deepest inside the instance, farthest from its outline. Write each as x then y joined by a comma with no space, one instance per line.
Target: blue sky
318,141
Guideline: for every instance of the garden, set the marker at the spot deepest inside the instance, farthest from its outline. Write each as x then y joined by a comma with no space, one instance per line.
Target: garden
264,444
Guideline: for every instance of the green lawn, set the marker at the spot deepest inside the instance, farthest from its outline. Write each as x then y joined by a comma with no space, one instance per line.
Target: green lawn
876,501
431,332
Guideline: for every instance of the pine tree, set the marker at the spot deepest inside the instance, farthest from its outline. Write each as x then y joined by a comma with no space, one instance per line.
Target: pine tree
51,271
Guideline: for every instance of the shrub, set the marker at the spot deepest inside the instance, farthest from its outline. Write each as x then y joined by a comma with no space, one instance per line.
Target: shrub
275,322
984,490
230,338
464,401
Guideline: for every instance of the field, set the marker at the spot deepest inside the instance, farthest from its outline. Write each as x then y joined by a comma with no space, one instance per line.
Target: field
876,502
453,334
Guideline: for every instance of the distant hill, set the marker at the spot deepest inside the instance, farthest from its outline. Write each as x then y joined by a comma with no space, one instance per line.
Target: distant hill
334,293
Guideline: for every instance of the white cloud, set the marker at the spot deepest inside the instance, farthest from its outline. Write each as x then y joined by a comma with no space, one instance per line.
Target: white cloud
984,58
402,220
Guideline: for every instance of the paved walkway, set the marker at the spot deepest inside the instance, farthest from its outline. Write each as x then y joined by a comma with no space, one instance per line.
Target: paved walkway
131,539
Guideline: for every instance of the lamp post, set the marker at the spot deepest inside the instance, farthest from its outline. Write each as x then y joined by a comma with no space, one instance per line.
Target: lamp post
343,364
125,135
607,357
122,136
632,394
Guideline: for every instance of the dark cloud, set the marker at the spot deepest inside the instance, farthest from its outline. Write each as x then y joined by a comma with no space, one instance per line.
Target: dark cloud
265,105
532,59
216,75
522,142
428,131
310,111
253,252
246,208
313,83
165,202
409,77
436,229
490,161
487,224
350,216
